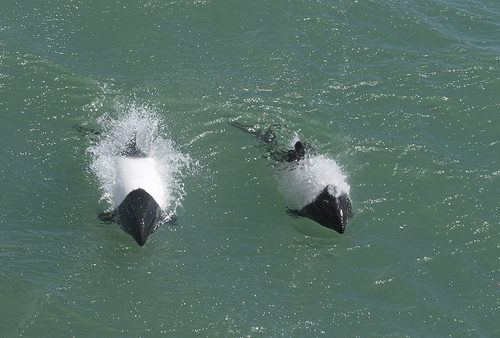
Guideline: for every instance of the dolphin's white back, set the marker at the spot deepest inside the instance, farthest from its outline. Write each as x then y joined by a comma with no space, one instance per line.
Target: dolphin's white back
137,172
300,182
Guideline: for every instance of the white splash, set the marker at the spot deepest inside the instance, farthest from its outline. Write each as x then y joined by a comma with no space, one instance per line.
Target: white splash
301,182
162,166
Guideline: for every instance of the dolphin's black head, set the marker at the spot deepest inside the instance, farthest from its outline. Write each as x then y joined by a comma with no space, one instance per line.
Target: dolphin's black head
329,210
138,215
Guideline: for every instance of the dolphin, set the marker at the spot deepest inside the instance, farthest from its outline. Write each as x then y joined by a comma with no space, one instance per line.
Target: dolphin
324,203
137,192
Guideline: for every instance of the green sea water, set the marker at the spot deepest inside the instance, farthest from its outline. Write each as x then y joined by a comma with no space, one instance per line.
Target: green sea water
403,95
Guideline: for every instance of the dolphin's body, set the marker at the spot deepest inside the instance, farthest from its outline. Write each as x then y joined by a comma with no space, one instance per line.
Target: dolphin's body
137,193
323,201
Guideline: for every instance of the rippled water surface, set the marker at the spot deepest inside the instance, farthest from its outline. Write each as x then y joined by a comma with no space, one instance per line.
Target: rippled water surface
402,95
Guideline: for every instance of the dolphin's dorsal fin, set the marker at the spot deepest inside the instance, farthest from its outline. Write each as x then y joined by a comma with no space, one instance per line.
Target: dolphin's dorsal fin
131,149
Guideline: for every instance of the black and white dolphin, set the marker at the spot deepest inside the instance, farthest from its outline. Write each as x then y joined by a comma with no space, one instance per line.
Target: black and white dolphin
312,183
137,193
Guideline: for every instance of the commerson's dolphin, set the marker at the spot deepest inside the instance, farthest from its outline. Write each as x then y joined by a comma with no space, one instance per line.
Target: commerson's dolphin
319,198
137,192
